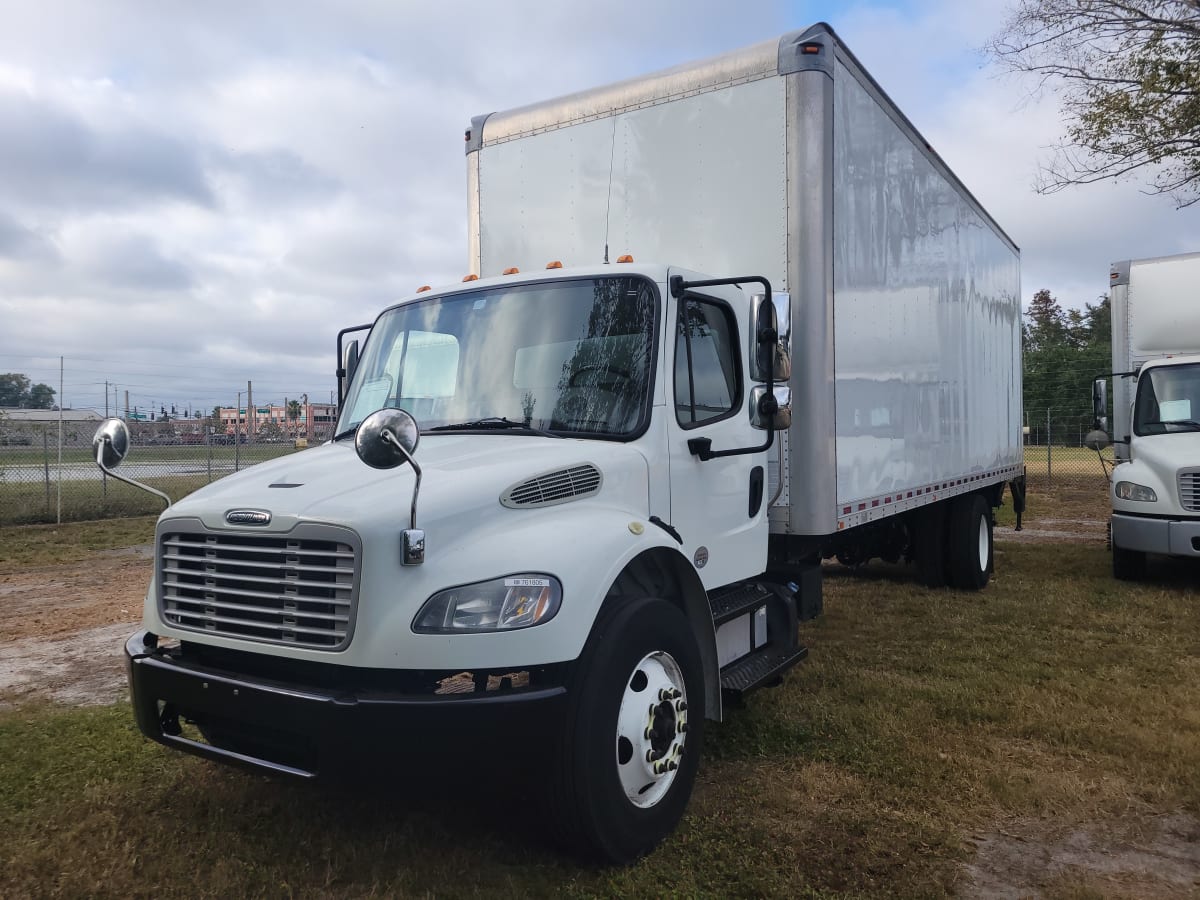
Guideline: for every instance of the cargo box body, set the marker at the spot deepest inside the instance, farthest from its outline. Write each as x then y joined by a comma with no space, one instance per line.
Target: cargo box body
787,160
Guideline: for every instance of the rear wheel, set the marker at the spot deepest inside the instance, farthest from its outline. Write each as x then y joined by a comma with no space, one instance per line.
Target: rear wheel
969,543
627,759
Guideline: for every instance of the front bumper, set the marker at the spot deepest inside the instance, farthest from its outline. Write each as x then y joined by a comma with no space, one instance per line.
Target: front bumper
310,730
1172,537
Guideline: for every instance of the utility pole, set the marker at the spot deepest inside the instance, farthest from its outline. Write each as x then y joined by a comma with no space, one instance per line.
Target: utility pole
250,413
106,399
237,435
127,405
307,419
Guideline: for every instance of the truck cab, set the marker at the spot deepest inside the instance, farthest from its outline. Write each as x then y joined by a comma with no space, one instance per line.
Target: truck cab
1155,488
543,511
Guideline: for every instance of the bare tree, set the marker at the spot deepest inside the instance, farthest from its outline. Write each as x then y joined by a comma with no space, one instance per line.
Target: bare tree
1128,72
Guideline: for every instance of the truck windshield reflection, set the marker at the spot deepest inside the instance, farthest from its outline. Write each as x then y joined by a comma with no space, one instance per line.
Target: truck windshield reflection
562,357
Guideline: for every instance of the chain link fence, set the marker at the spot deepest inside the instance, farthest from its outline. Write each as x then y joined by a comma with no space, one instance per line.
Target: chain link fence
41,481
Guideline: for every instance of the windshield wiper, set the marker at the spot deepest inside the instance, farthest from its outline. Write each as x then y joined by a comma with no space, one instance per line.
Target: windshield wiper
498,422
1190,424
349,432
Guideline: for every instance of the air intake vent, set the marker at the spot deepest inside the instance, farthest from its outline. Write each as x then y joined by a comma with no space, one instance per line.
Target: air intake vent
1189,490
554,487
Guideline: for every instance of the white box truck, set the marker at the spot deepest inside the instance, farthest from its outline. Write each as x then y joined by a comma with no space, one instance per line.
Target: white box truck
803,343
1155,484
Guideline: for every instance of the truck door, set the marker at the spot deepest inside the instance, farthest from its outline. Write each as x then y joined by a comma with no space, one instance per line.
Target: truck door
719,507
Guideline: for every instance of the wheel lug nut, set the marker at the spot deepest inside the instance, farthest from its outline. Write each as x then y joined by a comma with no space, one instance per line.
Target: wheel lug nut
649,756
682,728
681,705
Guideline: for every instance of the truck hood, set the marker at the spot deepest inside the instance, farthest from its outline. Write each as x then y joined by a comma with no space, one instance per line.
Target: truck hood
1165,453
461,474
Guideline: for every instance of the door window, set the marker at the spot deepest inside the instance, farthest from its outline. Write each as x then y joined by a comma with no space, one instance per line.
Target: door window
707,367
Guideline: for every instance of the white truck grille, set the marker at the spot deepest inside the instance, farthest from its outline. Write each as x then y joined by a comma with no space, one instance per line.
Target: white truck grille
296,589
1189,490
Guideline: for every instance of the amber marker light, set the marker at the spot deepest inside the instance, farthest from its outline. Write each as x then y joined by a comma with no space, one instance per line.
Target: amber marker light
556,264
626,258
424,288
467,278
513,271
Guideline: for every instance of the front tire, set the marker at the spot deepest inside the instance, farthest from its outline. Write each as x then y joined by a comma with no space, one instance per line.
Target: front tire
1128,565
627,758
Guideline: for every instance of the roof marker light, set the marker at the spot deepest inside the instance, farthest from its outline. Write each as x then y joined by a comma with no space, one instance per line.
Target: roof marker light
556,264
811,48
625,258
424,288
513,271
470,278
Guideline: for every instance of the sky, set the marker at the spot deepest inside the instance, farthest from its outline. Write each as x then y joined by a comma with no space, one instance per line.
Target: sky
198,195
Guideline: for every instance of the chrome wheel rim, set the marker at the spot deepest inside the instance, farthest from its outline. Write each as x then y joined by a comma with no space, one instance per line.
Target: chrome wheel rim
651,729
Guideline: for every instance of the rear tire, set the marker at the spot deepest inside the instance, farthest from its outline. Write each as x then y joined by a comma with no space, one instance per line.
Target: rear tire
927,528
1128,565
607,800
969,543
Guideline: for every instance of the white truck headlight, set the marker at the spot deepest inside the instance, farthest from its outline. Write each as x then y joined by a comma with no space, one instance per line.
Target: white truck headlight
502,604
1129,490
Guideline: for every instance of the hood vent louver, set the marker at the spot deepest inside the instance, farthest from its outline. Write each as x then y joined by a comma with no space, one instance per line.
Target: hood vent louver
550,488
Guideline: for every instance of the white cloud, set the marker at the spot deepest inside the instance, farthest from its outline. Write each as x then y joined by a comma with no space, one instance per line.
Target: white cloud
193,195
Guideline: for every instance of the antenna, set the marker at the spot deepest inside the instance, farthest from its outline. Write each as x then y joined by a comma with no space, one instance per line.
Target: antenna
608,206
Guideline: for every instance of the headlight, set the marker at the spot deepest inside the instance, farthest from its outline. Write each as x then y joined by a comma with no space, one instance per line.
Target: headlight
1128,490
503,604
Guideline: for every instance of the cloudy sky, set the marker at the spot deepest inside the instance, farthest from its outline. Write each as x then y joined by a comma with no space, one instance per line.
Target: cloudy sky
194,195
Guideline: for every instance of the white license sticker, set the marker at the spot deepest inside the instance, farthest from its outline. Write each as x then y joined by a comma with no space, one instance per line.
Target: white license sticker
527,582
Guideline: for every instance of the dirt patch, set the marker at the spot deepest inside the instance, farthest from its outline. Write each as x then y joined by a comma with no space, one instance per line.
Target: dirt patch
1151,858
62,627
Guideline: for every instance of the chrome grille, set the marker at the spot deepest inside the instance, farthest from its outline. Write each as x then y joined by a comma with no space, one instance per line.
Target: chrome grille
554,487
1189,490
296,589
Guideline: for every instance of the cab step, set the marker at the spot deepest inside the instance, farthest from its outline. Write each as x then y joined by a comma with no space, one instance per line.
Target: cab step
730,602
758,669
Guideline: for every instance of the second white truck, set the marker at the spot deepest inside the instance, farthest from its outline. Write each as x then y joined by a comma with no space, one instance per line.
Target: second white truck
591,501
1155,485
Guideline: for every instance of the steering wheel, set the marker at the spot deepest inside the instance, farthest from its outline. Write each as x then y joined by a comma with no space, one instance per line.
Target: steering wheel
610,378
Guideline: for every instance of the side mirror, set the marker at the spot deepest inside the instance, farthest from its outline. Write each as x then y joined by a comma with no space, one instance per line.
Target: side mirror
772,357
111,443
388,438
1096,440
1100,404
346,368
770,412
111,446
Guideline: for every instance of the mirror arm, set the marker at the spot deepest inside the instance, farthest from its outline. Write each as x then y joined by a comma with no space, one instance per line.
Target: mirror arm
702,447
145,487
387,435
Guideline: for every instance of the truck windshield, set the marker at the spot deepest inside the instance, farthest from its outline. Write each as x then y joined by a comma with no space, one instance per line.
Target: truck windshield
570,356
1168,400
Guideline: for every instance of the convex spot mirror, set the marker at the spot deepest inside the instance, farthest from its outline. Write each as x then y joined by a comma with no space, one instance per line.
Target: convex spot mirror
774,358
111,443
770,412
387,438
1096,440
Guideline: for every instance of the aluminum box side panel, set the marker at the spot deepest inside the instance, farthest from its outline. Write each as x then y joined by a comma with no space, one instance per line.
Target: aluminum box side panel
927,321
1162,303
699,182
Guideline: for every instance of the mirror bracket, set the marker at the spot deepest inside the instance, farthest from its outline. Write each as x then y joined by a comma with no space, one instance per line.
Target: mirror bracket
111,444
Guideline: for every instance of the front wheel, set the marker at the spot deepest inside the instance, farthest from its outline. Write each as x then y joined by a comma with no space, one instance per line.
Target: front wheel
1128,565
627,758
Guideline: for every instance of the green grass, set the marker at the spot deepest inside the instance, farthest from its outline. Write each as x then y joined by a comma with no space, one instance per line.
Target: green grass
1056,696
30,495
46,545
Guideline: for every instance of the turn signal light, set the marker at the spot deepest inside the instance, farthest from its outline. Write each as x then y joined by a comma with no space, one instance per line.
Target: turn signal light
554,265
513,271
626,258
470,278
423,288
